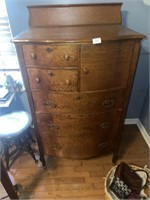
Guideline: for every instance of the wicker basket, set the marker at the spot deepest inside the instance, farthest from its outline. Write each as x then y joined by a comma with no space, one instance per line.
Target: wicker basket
108,180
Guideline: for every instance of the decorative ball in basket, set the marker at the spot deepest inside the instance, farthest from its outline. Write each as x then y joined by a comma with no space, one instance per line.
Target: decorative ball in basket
126,182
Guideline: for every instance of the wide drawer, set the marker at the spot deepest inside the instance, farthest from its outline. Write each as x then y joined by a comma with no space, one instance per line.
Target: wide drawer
106,65
74,102
78,147
72,126
54,80
51,55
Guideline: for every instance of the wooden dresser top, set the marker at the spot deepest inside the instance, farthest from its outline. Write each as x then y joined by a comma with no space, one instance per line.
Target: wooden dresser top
76,23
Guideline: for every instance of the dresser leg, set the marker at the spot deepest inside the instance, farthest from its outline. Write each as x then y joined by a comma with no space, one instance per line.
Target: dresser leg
40,147
42,159
115,158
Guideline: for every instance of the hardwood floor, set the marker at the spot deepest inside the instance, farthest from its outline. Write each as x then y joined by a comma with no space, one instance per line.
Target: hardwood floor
66,179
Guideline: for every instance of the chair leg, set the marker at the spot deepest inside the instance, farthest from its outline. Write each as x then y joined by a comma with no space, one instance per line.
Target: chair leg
6,153
31,137
6,182
30,151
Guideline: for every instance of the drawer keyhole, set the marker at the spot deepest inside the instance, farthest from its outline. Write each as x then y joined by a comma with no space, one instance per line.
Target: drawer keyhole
48,50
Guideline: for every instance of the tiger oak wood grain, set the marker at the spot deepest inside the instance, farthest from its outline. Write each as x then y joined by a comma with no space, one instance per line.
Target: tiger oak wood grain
74,102
74,85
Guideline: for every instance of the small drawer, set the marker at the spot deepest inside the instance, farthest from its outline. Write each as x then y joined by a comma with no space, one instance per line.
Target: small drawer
74,102
51,55
54,80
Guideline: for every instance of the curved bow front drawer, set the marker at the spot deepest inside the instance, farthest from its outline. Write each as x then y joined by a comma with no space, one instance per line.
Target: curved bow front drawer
74,102
51,55
78,125
81,147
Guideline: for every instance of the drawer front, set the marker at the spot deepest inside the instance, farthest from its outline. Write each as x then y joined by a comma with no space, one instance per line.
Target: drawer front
106,65
54,80
79,147
52,56
74,102
78,125
79,136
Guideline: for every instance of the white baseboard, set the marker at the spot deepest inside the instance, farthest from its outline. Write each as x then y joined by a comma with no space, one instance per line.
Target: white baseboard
141,128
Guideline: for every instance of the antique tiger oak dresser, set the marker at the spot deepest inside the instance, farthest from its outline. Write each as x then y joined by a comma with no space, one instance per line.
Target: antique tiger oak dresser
78,63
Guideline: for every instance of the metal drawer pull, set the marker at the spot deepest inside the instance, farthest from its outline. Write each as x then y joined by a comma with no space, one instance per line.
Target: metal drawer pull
105,125
37,80
85,70
68,82
66,57
56,146
108,103
102,145
53,126
48,50
50,104
33,56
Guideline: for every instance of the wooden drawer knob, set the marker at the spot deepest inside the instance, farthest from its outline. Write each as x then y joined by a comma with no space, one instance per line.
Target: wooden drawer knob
68,82
66,57
108,103
38,80
85,70
33,56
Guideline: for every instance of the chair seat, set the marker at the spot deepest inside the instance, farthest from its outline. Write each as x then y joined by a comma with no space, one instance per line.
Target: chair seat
15,123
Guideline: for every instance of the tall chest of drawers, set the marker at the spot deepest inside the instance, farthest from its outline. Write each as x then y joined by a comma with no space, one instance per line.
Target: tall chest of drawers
78,63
